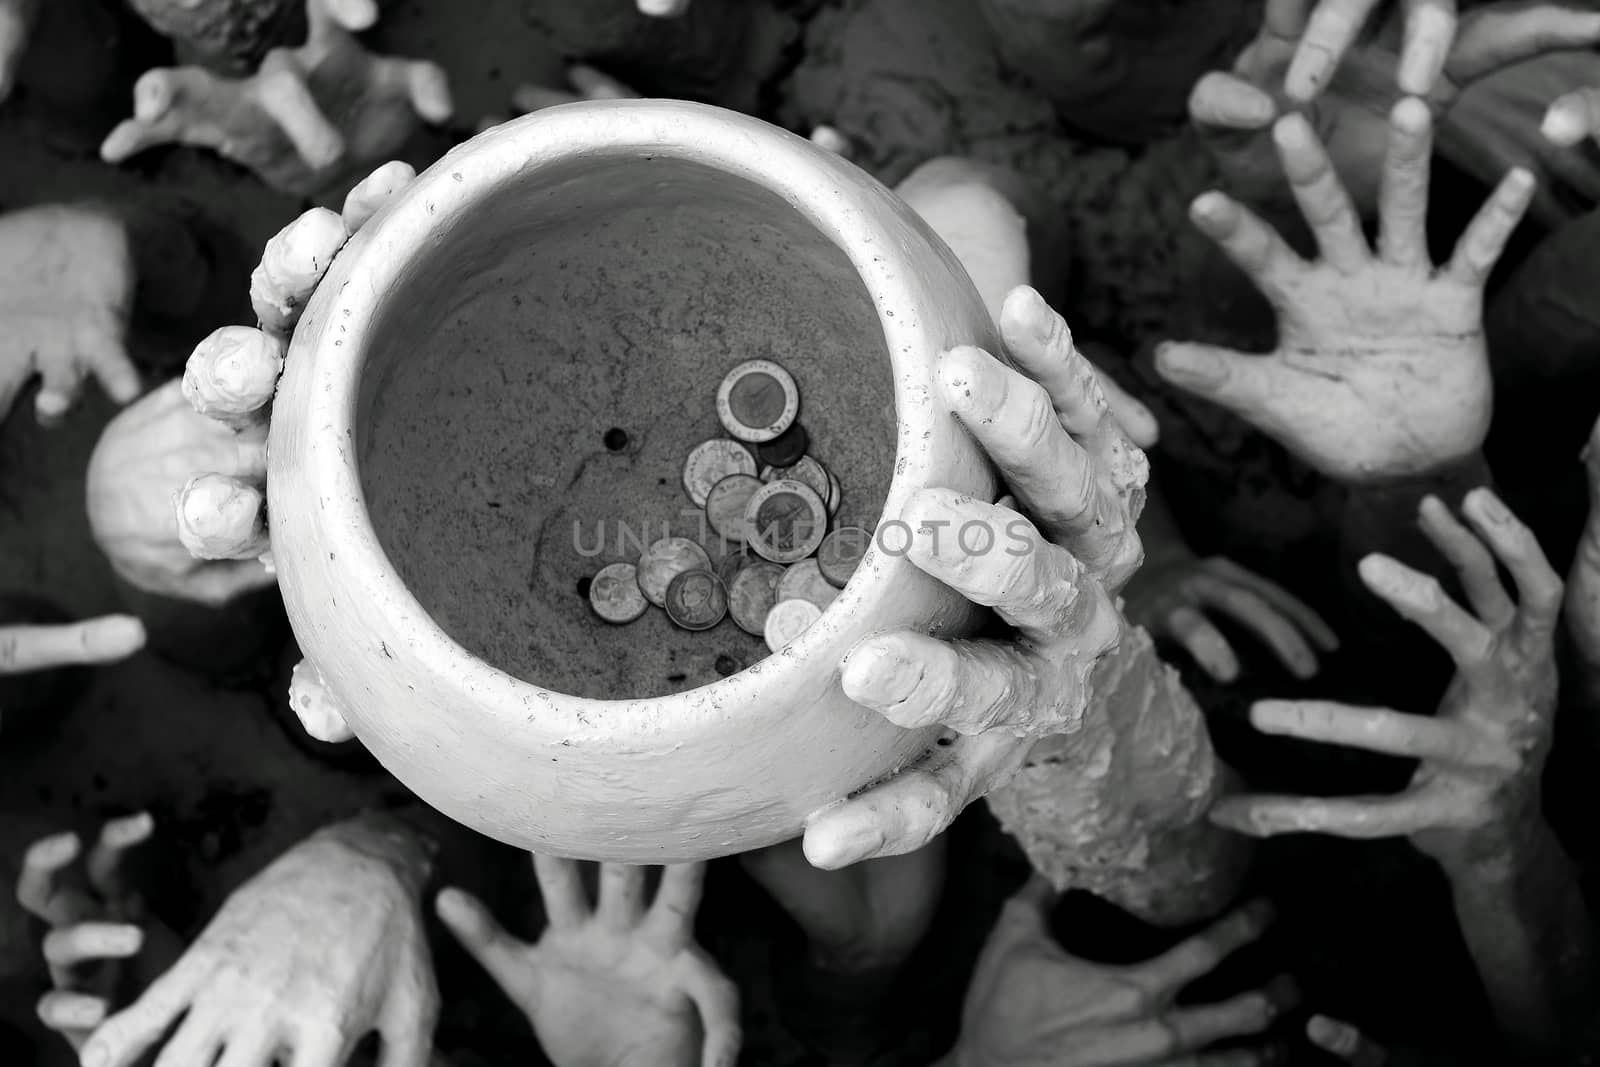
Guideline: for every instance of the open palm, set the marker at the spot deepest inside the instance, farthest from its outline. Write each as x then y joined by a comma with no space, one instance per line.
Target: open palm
618,984
1381,370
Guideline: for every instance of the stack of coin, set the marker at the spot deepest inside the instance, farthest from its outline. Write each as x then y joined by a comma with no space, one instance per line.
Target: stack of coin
771,509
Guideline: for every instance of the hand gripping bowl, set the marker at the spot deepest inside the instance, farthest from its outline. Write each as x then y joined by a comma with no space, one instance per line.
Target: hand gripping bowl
593,270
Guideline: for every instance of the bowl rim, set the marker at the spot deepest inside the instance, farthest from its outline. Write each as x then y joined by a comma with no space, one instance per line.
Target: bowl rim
825,191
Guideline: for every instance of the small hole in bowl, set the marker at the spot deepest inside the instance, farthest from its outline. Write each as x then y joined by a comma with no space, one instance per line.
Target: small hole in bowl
583,587
616,439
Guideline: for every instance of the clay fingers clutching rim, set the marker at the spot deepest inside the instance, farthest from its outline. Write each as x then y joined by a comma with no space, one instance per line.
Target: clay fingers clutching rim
907,811
996,558
1051,432
233,373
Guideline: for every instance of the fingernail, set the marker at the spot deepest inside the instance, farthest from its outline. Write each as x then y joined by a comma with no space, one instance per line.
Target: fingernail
1036,313
1307,72
848,846
1564,123
125,941
119,833
1490,505
962,374
878,675
1293,132
1190,366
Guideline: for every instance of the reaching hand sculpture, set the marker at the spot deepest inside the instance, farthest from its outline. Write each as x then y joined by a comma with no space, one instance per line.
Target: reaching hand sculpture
66,289
619,983
1442,60
307,119
1031,1004
1473,804
1381,370
321,947
101,940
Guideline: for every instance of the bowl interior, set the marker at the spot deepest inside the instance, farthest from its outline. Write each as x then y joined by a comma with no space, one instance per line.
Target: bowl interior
545,367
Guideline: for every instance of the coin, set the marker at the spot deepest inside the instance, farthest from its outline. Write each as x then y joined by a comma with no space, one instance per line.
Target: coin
804,581
752,594
786,448
726,503
663,561
736,560
787,620
840,553
696,600
710,462
757,401
806,470
614,593
786,521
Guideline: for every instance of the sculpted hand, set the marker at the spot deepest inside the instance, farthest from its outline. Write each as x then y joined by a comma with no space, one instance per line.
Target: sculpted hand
1068,462
1171,601
1236,110
66,287
229,381
1030,1004
869,916
307,118
16,23
1483,751
97,924
618,984
323,946
1381,369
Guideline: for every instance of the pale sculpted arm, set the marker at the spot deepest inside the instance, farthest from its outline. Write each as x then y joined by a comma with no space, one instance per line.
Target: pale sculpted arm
1474,802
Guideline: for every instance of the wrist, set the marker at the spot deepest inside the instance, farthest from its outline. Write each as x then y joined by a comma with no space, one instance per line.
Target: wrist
384,837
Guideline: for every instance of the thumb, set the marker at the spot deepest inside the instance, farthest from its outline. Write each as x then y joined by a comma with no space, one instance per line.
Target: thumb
505,958
1251,386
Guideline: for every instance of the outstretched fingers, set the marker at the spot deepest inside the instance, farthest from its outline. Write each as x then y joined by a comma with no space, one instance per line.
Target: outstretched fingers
566,905
1539,588
1403,196
280,90
1485,238
503,956
670,920
1254,246
1265,815
1421,599
1250,386
1429,34
1329,33
1322,197
1197,956
91,641
107,861
44,885
1381,730
1472,562
716,998
1498,35
917,804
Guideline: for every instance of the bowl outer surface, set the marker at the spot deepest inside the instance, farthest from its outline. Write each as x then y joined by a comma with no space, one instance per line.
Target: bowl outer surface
725,768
